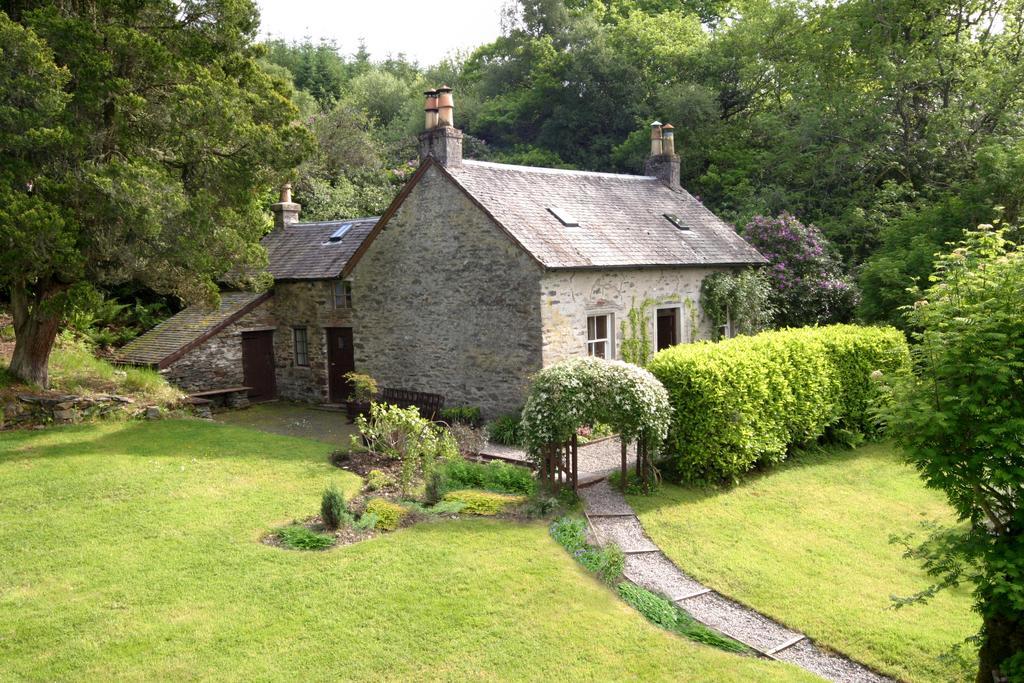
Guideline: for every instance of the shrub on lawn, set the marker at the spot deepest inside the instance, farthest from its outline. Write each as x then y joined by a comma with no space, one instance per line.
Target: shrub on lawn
332,508
389,515
748,400
483,502
494,476
402,434
660,611
298,537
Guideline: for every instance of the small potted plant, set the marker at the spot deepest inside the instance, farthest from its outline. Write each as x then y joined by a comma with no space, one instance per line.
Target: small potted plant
364,389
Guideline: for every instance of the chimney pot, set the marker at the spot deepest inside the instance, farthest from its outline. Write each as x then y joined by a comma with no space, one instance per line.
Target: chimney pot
668,144
445,106
656,138
430,107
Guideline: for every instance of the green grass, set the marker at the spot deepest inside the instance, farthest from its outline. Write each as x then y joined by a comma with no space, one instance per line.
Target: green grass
75,370
131,551
808,544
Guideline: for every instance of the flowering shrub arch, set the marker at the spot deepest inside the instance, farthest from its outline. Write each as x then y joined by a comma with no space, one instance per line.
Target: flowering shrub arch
584,391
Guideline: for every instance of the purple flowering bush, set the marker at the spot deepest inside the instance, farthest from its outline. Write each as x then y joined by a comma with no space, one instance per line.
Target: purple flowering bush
808,283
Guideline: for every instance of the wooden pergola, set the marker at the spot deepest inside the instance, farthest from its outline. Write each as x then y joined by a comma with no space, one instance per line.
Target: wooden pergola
559,464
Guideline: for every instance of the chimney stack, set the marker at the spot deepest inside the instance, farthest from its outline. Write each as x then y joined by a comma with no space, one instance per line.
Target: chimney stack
441,139
663,163
286,212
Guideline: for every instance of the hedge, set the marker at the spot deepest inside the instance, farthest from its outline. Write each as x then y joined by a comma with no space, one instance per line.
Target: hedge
746,401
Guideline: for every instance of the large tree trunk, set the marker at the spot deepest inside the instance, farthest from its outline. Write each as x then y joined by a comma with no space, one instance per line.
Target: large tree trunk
35,329
1002,637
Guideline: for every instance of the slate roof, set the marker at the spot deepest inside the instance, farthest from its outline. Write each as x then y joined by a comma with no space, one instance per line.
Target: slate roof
302,251
175,336
621,218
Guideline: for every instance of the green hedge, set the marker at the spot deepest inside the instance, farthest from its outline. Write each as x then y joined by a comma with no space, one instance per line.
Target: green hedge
746,401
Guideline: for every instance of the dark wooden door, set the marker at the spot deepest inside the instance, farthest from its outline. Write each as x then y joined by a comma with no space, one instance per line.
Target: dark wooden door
668,327
340,360
258,364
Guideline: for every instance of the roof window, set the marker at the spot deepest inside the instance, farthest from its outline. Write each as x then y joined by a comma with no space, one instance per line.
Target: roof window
676,221
340,232
564,216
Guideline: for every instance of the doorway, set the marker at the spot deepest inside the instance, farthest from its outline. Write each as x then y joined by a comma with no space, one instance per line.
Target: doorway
258,365
340,360
668,327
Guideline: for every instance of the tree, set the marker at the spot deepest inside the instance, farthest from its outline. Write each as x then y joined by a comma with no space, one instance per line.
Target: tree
960,420
163,137
808,286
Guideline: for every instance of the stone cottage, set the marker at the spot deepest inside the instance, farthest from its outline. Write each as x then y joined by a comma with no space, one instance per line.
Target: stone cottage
476,276
293,341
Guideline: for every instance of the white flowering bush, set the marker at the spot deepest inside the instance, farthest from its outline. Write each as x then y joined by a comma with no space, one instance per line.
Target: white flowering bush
586,391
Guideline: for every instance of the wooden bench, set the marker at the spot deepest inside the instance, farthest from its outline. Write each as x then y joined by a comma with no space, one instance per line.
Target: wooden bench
229,397
429,405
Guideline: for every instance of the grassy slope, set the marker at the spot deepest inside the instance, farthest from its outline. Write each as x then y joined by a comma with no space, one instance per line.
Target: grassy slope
809,545
75,370
130,550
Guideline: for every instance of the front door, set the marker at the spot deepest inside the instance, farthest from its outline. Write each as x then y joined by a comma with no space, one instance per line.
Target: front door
668,327
258,364
340,360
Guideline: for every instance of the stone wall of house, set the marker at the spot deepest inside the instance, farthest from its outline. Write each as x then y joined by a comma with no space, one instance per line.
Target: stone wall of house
308,304
568,297
217,363
446,303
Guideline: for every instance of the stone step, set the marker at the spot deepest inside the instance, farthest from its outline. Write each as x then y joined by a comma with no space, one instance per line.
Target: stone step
655,572
624,532
737,621
601,499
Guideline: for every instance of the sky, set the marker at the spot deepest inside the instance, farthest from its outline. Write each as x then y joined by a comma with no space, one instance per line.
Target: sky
425,30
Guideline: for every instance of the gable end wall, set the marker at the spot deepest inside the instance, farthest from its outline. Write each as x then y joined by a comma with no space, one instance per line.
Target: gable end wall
446,303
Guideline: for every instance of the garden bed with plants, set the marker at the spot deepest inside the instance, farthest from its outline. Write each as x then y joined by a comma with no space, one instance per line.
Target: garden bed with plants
413,471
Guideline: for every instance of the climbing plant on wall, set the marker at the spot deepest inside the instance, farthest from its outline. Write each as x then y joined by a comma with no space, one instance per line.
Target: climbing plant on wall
586,391
741,299
636,337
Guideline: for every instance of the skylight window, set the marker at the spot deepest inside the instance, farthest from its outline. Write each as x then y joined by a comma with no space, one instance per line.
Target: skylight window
340,232
676,221
564,216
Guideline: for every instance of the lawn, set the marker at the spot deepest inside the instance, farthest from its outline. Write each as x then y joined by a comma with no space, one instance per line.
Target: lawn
130,551
808,544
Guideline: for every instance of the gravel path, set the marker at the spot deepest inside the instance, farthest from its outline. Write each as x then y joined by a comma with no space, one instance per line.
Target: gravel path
647,566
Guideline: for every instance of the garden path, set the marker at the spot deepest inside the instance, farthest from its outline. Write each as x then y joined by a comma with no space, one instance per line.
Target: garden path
613,520
596,459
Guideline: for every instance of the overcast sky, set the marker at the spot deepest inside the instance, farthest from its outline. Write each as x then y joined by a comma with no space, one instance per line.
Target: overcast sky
425,30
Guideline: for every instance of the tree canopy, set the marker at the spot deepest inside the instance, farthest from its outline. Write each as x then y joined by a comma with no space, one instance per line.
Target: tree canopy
153,138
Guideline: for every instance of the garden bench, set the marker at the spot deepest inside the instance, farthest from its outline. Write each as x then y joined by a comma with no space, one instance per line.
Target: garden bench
429,405
230,397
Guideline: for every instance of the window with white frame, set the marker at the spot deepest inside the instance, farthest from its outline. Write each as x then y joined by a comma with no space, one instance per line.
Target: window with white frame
599,336
301,346
343,294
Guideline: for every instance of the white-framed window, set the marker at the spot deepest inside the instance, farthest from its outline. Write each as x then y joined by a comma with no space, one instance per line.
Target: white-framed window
301,341
343,294
599,336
